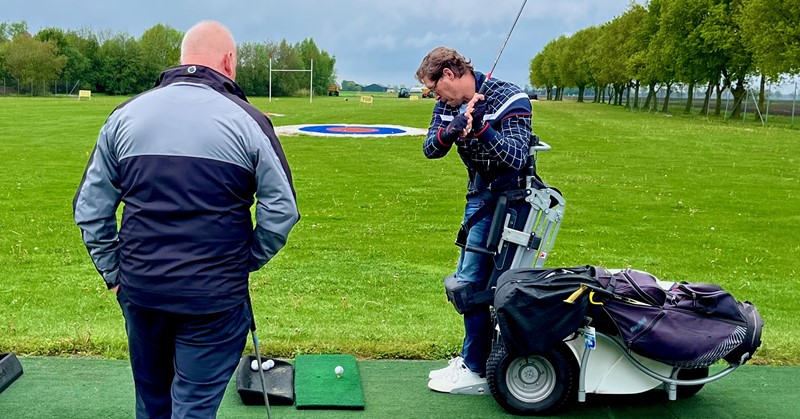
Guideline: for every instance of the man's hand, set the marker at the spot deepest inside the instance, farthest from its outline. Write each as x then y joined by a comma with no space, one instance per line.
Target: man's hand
455,129
478,112
476,109
115,289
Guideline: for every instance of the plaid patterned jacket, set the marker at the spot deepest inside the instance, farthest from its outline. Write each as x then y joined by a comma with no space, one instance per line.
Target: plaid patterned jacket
500,150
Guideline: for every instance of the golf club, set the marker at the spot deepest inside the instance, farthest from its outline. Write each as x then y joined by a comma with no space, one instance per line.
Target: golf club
489,74
482,90
258,358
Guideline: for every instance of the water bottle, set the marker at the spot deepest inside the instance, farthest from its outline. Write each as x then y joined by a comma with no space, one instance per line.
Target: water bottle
588,335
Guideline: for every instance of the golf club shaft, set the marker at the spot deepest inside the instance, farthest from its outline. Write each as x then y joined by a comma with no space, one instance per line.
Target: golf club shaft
489,74
482,90
258,357
261,373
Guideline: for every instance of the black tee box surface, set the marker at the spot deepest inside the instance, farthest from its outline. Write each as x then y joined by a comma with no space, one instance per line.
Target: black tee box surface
280,383
10,370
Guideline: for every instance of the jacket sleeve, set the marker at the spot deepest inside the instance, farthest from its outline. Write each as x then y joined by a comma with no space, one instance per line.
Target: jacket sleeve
276,205
434,148
95,207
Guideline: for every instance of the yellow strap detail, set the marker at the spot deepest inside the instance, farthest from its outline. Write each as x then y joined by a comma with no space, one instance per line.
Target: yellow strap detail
591,299
574,296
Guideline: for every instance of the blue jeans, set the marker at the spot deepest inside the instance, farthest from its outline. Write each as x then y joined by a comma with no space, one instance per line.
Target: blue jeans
476,268
182,363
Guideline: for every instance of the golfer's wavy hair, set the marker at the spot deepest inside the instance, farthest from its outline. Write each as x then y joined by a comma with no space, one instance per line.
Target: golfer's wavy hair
438,59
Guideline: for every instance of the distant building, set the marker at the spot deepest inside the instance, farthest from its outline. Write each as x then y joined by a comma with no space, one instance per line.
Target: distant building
373,88
352,86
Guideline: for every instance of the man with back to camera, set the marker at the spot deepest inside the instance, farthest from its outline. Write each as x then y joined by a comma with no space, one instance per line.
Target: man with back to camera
491,133
187,158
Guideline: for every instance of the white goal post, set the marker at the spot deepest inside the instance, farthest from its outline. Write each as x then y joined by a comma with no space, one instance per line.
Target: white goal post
311,72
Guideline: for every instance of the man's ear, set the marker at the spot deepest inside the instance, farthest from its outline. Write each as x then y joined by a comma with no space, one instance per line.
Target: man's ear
229,65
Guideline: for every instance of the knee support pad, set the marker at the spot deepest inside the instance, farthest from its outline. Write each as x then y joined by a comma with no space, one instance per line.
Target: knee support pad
465,296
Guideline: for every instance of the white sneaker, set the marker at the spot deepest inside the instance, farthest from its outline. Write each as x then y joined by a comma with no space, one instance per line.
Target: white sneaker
446,371
460,381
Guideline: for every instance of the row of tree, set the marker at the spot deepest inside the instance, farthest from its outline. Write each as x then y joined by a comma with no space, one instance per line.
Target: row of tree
120,64
717,44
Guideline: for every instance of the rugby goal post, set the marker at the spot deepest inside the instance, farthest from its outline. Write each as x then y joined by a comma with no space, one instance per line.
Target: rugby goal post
311,72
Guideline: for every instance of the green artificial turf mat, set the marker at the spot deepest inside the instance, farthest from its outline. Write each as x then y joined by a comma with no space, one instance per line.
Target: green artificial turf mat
317,386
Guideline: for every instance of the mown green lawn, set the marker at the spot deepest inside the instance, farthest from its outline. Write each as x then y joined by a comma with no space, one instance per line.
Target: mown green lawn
683,198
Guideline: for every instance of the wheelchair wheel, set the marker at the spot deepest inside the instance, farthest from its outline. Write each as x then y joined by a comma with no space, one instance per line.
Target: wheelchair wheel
683,392
539,384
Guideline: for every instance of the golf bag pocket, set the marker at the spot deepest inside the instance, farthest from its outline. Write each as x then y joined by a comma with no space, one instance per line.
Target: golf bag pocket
531,310
697,324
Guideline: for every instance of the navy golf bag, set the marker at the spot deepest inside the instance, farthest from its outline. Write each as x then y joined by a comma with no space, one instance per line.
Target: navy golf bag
686,325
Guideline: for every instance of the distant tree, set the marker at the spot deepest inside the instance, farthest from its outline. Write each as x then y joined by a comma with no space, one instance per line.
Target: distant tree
579,45
9,30
84,67
680,34
350,85
536,74
324,65
160,48
545,71
635,46
610,51
123,70
252,68
285,57
722,33
76,63
32,61
648,61
770,32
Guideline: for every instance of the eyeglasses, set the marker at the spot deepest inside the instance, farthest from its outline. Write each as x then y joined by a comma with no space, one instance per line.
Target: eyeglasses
438,79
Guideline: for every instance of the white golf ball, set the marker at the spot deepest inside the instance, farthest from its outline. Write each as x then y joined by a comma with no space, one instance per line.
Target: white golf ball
339,370
267,364
254,365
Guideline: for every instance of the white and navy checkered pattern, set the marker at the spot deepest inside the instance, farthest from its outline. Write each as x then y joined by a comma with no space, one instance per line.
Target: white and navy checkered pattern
506,150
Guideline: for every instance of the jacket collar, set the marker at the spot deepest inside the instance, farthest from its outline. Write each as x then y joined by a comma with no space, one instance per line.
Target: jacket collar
200,74
479,79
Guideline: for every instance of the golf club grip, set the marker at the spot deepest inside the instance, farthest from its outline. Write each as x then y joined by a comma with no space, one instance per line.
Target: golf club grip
252,314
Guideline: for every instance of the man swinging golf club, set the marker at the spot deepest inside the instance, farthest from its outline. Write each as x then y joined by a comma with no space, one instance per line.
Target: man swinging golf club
488,122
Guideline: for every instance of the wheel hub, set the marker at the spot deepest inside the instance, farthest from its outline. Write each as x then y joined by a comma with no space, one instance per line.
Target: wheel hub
530,379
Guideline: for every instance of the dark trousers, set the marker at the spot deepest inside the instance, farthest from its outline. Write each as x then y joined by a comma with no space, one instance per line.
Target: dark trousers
182,363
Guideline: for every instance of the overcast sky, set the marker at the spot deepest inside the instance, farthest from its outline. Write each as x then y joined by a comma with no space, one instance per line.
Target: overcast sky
374,41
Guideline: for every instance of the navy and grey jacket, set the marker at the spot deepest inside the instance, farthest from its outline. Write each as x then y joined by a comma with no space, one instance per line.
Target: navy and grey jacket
499,150
186,158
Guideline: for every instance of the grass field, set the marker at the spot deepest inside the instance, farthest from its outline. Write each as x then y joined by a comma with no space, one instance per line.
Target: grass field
683,198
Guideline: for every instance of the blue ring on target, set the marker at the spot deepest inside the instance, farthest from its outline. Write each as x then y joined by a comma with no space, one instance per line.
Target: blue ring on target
351,130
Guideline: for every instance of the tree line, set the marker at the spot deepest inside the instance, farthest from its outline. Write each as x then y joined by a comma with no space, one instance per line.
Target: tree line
120,64
714,44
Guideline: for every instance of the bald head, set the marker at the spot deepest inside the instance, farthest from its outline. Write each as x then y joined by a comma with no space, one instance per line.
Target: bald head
210,44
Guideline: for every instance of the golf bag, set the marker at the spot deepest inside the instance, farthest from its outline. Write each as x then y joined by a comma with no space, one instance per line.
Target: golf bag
686,325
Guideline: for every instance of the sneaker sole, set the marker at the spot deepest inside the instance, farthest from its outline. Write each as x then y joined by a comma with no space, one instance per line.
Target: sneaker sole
476,389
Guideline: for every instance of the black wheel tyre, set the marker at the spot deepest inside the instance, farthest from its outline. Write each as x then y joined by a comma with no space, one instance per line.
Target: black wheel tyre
536,385
684,392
